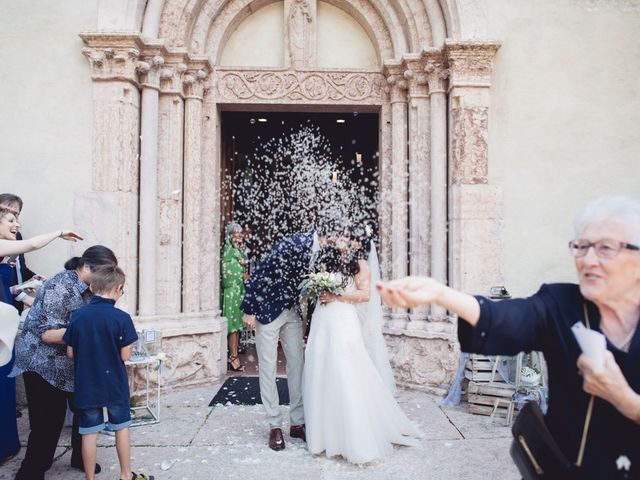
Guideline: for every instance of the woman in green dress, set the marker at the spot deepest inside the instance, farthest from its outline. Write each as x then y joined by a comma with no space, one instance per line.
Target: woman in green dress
233,276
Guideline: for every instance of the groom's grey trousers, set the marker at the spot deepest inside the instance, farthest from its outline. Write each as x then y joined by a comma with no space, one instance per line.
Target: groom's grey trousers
288,328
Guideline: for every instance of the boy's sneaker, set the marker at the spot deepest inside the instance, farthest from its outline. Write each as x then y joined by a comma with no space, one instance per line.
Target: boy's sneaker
141,476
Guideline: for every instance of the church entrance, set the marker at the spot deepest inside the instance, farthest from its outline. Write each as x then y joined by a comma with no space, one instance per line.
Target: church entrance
283,172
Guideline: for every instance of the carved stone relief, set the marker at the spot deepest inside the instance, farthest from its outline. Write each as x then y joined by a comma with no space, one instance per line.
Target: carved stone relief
313,87
191,359
429,364
469,144
299,33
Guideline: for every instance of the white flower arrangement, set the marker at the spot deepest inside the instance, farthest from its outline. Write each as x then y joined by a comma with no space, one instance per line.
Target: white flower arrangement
529,377
319,282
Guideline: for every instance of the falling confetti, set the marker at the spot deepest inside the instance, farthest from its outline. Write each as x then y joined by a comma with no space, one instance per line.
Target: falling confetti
295,182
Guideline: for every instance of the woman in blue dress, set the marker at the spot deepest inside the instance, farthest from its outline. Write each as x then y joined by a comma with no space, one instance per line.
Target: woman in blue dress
9,226
9,443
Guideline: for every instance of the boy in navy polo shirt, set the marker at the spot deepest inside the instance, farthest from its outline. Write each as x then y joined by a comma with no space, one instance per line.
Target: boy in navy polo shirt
99,339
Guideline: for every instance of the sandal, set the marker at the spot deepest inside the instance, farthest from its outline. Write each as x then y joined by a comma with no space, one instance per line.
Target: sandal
230,366
141,476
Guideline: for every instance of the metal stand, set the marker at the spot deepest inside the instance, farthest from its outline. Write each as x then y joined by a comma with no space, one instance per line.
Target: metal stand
153,413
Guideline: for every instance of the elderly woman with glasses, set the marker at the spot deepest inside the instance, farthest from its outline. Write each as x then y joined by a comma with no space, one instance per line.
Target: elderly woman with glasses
234,272
607,298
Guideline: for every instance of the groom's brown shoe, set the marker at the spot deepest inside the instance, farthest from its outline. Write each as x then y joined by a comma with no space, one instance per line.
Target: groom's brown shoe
276,439
298,431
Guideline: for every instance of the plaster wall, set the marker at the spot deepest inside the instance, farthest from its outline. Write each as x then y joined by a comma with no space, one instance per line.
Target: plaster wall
563,128
258,41
342,42
46,120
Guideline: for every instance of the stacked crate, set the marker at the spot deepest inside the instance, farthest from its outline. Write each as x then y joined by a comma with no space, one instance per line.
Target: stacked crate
488,393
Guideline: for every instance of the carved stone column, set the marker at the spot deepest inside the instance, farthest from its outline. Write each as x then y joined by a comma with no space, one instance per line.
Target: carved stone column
436,74
300,33
149,70
108,214
399,198
475,209
386,181
170,190
419,177
194,91
210,188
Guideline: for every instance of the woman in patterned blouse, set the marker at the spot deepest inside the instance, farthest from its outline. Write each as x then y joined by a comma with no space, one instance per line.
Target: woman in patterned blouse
10,247
41,358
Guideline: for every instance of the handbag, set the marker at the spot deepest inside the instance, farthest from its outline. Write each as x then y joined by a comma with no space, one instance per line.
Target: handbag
534,450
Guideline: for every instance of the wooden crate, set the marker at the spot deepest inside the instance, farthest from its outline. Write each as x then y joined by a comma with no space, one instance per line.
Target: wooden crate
501,410
480,369
491,398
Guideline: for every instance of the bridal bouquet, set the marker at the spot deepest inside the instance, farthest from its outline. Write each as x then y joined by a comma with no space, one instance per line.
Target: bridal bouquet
318,282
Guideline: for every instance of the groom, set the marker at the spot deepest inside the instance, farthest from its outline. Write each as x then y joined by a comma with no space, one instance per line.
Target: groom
271,299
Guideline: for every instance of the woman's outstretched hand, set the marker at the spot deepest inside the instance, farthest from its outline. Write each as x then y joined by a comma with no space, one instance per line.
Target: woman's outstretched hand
70,236
410,292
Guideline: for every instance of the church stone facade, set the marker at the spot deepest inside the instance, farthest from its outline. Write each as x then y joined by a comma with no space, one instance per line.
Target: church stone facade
162,71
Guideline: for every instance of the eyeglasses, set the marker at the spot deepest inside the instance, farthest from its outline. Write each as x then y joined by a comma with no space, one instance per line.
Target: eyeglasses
606,248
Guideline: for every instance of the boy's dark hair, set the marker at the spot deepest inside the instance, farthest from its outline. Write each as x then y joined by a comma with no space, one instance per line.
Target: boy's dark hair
7,198
106,278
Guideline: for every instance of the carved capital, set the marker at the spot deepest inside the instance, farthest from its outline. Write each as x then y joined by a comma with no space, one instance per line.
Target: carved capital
397,88
171,77
435,69
193,83
394,71
113,56
193,80
415,75
470,62
171,72
149,71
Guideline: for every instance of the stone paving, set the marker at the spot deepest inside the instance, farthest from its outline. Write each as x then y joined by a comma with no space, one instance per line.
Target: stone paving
230,442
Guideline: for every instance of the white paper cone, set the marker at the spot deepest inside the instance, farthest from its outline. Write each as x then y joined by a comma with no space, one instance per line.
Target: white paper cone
592,343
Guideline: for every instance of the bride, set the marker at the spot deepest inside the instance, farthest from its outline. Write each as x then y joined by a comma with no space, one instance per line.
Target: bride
349,406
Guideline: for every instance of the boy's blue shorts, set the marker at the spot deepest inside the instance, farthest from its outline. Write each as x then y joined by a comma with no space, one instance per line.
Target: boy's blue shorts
91,420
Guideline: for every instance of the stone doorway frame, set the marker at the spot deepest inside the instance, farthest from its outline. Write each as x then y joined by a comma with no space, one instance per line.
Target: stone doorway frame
439,215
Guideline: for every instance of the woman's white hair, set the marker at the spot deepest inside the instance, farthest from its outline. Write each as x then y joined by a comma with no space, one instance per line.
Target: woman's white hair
625,209
232,228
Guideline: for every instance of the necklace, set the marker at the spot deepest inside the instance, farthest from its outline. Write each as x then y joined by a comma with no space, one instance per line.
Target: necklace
627,343
624,346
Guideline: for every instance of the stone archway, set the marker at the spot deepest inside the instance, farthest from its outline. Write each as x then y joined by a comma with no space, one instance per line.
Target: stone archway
437,208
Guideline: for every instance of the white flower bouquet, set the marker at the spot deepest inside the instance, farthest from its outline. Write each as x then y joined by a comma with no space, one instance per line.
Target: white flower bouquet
529,377
318,282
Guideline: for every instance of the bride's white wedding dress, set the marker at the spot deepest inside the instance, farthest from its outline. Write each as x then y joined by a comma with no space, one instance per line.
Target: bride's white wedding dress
348,408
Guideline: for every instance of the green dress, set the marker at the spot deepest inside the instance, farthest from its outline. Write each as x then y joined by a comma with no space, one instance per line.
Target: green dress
232,286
